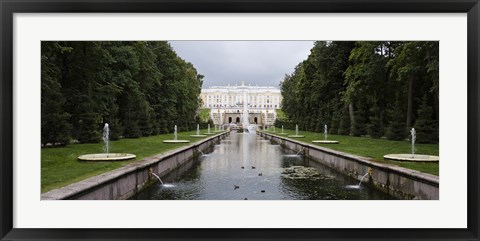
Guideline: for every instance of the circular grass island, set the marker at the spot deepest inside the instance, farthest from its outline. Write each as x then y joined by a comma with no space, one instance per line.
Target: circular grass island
296,136
412,158
107,157
176,141
325,142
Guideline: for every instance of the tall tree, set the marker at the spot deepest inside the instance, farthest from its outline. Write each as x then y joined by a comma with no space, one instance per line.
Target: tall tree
365,80
55,125
425,125
367,85
83,76
140,88
396,126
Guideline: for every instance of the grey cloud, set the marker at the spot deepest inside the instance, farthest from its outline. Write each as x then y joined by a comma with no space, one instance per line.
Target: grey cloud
231,62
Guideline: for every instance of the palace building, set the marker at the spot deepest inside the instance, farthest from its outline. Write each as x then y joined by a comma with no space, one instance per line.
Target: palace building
227,103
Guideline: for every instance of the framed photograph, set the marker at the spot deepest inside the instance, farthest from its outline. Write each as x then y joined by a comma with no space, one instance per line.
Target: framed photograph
239,120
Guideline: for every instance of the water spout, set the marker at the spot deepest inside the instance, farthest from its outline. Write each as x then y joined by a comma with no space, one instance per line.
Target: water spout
198,129
208,128
361,180
302,149
203,154
296,130
359,184
155,175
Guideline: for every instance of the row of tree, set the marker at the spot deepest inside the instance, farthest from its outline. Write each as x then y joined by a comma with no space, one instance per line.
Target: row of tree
366,88
140,88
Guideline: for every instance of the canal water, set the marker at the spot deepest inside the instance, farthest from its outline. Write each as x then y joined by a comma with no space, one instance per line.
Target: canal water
245,166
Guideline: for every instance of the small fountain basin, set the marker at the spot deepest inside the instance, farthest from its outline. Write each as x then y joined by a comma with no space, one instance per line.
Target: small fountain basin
412,158
176,141
198,136
107,157
325,142
353,186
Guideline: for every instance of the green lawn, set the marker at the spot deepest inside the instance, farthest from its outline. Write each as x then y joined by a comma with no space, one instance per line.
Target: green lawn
61,167
374,148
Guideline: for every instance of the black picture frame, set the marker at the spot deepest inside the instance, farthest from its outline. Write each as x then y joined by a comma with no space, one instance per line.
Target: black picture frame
9,7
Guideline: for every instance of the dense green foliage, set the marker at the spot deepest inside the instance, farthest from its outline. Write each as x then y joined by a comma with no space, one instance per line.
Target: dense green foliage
426,128
395,130
365,88
204,114
139,88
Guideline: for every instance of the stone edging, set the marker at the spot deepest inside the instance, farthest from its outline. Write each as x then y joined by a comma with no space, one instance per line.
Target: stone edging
398,181
80,187
432,179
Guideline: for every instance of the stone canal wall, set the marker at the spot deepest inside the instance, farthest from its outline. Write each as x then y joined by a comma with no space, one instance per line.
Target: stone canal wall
128,180
397,181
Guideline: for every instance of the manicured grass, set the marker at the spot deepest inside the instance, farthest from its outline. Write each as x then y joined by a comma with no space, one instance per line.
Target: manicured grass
375,148
61,167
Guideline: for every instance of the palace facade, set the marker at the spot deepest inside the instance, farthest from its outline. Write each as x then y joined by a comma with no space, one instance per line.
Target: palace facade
227,103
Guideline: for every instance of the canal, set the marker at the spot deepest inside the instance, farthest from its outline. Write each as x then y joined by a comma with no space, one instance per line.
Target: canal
244,166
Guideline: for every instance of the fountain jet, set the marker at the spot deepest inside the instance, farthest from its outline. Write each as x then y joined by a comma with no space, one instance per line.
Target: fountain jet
359,184
175,140
209,133
198,135
106,155
283,133
106,137
296,133
412,157
414,137
325,134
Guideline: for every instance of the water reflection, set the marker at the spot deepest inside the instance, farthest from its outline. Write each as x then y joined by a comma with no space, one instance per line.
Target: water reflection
245,166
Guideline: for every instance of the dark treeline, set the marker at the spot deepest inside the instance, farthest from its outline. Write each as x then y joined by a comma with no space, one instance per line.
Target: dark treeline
139,88
366,88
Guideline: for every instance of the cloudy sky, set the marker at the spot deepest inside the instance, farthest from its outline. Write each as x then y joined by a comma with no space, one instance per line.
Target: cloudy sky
255,62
